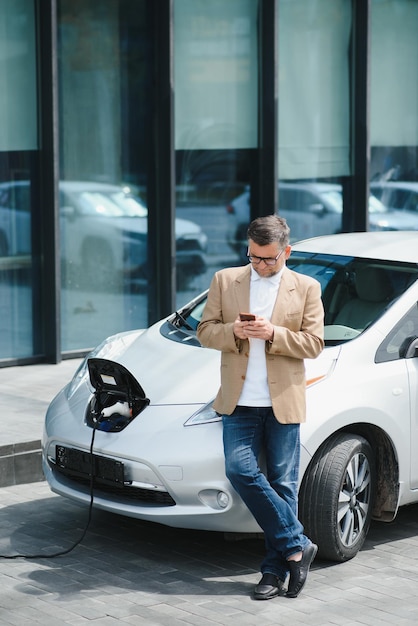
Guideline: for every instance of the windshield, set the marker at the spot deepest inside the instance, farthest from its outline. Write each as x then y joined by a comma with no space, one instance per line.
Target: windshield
355,293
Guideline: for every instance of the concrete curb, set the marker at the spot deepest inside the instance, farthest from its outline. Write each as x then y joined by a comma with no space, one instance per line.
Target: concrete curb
20,463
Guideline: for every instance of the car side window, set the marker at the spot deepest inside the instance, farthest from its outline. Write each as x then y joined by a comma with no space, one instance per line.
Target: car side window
391,349
307,201
412,204
289,199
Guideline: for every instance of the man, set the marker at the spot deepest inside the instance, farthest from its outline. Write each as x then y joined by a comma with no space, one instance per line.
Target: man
262,393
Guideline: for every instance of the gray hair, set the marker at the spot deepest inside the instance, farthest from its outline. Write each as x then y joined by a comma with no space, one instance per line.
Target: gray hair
269,229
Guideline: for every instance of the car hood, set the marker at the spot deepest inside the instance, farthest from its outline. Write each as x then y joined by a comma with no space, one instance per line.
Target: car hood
171,372
177,372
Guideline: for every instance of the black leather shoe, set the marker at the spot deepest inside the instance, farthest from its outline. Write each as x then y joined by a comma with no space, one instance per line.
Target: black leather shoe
299,571
269,587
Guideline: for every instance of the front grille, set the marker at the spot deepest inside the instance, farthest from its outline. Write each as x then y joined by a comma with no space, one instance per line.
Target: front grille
126,492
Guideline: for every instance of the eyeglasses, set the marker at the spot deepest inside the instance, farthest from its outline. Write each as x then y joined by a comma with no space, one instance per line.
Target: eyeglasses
267,260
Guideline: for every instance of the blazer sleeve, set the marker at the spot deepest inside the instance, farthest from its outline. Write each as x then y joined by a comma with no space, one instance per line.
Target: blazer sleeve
215,329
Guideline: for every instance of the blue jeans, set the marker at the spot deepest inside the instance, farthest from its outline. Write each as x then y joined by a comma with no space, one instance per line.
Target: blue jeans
272,497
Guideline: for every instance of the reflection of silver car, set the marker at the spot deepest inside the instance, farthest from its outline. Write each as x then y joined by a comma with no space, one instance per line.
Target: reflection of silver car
311,209
397,195
103,231
159,455
104,228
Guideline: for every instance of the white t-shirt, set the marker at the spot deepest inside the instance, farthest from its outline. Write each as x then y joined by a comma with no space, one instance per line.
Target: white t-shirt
263,294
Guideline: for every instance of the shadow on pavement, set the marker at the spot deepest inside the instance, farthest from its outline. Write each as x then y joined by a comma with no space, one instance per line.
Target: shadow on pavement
120,552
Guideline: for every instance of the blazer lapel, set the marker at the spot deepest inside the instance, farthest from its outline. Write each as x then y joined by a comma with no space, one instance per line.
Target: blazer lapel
284,296
241,287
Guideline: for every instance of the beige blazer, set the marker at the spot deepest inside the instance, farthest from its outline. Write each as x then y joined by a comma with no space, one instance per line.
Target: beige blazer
298,318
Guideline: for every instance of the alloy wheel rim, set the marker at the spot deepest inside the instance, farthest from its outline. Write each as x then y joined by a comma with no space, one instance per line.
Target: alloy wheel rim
354,499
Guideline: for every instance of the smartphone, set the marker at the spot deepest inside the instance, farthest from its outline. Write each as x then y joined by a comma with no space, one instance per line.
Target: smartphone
246,317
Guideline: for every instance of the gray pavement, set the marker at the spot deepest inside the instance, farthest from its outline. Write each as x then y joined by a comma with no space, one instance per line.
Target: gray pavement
25,393
126,571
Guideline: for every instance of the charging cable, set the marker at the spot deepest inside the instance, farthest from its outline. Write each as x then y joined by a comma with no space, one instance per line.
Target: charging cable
83,534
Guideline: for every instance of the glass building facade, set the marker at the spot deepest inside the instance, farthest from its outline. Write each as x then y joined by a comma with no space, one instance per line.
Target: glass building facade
139,137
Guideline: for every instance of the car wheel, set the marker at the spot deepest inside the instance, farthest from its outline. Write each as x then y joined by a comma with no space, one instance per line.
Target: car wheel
336,496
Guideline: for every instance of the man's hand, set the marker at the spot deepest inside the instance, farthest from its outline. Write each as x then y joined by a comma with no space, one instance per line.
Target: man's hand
260,328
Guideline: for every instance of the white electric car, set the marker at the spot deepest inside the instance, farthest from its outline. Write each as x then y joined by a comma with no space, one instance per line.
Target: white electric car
157,453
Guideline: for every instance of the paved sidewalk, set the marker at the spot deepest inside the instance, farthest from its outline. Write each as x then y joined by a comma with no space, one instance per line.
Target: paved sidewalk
126,571
132,572
25,393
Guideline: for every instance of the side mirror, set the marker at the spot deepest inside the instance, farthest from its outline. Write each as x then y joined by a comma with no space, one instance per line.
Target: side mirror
68,212
318,209
409,348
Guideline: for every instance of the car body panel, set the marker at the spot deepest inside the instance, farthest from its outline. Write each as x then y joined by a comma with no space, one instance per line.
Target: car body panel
169,452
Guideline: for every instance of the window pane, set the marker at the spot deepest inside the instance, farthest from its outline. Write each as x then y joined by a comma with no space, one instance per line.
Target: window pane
18,101
216,87
104,75
394,73
314,113
314,88
394,106
215,64
19,206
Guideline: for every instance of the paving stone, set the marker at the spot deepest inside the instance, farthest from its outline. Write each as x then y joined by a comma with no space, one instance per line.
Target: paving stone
131,572
127,571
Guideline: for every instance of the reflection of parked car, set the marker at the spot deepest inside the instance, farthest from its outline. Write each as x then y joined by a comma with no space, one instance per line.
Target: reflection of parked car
103,231
311,209
15,220
397,195
163,461
92,214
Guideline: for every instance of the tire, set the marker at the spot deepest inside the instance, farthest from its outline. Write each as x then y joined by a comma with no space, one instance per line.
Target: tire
336,496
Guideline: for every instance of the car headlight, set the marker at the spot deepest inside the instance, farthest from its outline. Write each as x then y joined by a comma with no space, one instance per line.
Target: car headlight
111,346
203,240
205,415
215,499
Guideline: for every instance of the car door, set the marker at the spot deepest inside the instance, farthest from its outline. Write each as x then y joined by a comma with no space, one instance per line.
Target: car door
400,349
412,365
